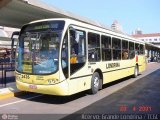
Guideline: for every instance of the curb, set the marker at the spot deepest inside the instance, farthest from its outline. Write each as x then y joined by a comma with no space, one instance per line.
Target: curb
7,94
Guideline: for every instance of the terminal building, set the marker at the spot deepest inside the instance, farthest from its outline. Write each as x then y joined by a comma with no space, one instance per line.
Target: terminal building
152,41
3,33
153,38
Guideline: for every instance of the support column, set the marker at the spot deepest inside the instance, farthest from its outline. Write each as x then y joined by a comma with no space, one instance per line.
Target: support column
148,52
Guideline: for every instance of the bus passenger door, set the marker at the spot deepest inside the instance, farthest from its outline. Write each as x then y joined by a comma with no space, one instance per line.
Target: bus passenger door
77,55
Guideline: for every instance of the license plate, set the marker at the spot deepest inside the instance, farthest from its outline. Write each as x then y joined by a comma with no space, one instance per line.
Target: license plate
33,86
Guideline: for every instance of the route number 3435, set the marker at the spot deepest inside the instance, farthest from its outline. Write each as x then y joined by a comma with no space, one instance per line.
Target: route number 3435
25,76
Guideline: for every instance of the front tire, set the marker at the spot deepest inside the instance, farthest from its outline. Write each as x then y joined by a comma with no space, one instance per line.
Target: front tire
95,83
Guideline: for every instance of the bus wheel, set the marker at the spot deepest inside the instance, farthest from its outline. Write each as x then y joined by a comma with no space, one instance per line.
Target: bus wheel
136,72
95,83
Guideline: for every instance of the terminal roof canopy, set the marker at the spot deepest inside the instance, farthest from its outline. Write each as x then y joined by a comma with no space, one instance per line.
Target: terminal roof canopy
15,13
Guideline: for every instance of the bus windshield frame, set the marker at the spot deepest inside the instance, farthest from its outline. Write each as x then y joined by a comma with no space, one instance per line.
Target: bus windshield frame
38,48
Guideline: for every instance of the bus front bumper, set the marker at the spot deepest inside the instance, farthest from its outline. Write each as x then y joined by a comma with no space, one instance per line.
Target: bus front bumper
60,89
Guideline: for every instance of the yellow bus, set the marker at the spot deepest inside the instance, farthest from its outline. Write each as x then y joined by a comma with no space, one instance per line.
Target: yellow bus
65,56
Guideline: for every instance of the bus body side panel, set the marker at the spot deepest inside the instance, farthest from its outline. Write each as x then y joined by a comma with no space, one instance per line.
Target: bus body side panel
79,84
141,63
80,80
125,69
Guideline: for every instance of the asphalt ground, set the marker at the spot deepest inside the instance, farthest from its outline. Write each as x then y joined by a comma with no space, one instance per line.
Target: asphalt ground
140,97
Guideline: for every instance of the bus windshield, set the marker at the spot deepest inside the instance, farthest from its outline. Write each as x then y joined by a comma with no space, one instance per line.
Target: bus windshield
38,49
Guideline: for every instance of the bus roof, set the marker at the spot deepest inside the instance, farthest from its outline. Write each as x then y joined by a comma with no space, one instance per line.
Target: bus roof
98,25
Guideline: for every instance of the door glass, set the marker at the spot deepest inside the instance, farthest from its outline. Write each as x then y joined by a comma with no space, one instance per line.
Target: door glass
77,50
64,60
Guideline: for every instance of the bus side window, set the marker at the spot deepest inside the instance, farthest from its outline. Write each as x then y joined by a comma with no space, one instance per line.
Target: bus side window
106,48
131,50
137,48
93,47
124,50
141,49
116,47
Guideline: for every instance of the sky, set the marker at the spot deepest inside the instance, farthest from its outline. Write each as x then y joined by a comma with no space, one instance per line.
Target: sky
131,14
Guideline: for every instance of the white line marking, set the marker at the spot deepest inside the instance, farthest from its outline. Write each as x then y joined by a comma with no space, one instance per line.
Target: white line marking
19,101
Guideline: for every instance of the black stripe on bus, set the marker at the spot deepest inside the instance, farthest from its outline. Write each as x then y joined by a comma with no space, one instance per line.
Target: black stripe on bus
102,72
80,76
91,63
118,69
